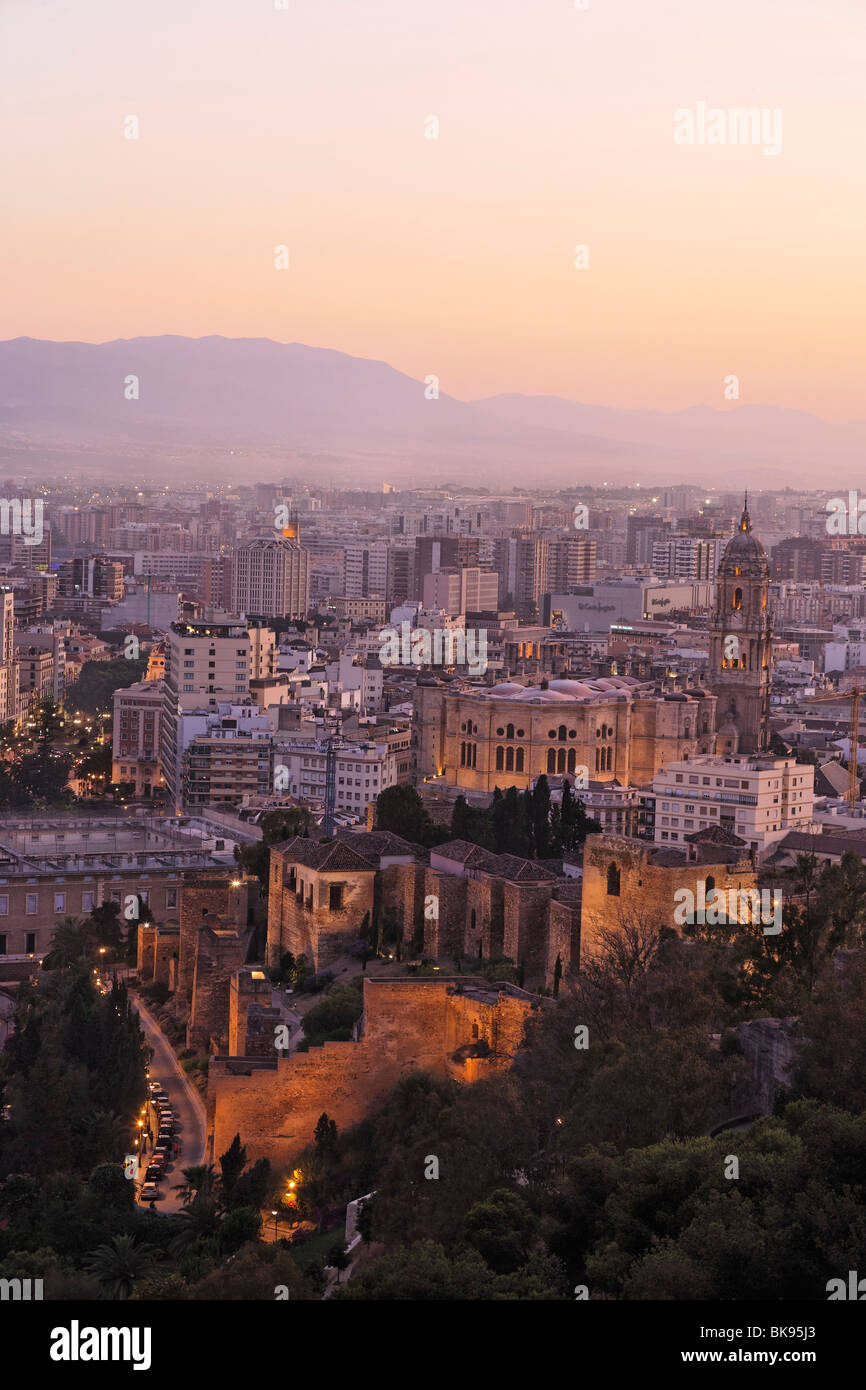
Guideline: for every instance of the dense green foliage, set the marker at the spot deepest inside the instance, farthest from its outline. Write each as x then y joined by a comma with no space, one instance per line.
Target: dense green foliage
93,692
525,823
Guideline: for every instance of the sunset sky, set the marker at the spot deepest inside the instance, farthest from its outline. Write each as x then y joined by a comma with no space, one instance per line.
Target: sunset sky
305,126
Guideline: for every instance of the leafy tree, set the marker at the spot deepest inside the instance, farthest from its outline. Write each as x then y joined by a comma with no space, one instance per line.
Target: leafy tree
93,692
500,1228
337,1258
251,1188
232,1164
112,1186
539,815
421,1272
276,827
401,810
333,1018
240,1225
325,1137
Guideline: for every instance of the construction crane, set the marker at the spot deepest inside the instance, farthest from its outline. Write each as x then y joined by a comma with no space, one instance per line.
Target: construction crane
853,694
332,743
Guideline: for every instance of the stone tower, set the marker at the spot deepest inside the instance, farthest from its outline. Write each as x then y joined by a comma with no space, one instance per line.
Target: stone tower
740,670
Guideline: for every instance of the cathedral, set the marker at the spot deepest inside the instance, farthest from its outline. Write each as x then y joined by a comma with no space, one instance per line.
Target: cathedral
479,737
740,666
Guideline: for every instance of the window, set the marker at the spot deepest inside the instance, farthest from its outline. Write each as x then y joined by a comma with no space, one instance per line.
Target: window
32,904
30,943
59,902
2,943
613,877
4,904
87,901
171,897
335,897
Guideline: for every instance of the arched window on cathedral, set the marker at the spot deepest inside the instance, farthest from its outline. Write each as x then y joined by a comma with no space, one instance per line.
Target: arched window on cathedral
560,760
597,751
518,760
572,759
562,732
612,881
738,600
509,760
463,755
509,731
687,730
609,758
500,759
551,759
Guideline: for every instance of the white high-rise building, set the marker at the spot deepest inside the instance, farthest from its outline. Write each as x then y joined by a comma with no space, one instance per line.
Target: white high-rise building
206,663
8,667
367,569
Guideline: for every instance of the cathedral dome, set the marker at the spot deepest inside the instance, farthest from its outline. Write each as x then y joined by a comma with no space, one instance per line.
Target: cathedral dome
744,552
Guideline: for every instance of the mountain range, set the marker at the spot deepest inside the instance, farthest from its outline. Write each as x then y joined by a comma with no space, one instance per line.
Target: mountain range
199,403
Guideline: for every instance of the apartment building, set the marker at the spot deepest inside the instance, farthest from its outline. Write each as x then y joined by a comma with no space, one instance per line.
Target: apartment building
206,663
363,768
8,667
571,560
757,798
271,578
460,591
228,763
136,736
687,557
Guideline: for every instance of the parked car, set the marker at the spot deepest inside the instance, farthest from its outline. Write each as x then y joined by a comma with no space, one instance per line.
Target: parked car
149,1192
154,1173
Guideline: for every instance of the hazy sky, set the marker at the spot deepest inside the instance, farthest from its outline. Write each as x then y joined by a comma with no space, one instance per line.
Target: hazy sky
306,127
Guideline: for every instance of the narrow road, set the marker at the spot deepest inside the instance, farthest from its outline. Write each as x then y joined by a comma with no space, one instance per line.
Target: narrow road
186,1103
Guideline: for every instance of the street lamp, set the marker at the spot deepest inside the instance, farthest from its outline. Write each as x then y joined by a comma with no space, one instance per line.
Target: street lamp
274,1215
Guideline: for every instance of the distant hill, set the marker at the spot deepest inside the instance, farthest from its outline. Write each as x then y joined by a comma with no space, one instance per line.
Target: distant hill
283,403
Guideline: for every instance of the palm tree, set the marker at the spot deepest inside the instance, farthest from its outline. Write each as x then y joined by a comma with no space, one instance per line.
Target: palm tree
198,1181
196,1222
68,943
120,1264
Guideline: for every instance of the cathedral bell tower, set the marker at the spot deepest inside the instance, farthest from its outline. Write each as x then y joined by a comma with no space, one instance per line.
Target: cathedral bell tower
740,671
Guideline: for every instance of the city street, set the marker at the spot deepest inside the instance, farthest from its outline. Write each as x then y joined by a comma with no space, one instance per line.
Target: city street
186,1103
